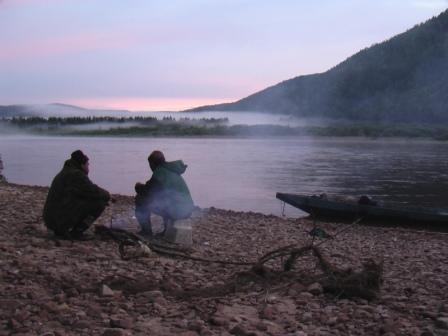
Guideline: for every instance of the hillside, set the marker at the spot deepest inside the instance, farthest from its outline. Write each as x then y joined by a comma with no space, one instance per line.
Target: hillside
404,79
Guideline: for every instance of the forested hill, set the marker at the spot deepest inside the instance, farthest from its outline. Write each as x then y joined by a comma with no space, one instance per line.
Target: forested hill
402,79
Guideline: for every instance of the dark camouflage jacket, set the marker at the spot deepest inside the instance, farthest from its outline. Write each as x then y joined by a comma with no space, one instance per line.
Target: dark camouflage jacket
71,192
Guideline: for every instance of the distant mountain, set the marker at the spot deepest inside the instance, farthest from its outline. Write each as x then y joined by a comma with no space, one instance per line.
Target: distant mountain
56,110
404,79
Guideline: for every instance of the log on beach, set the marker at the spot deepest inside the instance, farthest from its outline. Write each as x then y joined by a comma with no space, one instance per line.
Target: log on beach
64,287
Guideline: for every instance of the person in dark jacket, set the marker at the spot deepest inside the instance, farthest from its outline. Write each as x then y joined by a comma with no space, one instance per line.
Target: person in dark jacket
166,194
2,178
73,202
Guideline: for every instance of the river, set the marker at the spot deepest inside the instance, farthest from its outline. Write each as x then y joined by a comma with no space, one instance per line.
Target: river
245,173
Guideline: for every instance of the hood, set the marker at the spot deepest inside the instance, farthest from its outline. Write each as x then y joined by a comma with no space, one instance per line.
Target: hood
178,166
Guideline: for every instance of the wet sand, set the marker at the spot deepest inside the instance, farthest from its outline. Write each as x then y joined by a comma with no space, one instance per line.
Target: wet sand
54,287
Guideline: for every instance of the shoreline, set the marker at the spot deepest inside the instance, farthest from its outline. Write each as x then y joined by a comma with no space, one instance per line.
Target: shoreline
392,138
63,287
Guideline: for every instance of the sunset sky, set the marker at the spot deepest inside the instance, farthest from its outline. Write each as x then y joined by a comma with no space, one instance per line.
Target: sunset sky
175,54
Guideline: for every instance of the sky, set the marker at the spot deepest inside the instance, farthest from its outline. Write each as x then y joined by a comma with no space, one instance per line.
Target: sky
145,55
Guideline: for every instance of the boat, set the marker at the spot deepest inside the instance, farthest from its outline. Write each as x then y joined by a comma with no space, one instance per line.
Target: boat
325,208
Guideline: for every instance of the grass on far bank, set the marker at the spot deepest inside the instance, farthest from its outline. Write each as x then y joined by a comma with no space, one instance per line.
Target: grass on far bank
355,130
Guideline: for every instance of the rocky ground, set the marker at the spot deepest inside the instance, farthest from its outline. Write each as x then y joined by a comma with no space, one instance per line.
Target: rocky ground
53,287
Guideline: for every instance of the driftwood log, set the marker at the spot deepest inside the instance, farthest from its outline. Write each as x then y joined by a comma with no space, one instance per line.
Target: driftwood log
345,283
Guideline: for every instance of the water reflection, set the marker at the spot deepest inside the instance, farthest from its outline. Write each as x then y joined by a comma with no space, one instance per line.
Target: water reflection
406,172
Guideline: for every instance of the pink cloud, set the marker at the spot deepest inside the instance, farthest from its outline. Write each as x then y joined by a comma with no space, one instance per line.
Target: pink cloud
146,104
59,45
63,45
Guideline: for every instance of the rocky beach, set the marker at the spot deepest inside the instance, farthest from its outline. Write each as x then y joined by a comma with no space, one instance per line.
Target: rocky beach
59,287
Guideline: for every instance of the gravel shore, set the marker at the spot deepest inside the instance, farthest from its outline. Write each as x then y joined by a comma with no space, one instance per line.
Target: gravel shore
53,287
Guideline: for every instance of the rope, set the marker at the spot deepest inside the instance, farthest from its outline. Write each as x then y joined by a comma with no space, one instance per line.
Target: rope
130,239
126,238
350,226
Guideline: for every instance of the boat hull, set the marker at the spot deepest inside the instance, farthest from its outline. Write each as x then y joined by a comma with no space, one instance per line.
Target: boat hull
331,209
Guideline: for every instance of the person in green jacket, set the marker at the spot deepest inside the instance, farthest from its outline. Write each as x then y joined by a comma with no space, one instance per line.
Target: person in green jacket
166,194
73,202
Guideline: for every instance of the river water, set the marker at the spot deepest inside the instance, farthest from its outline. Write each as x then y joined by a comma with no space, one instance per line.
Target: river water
245,173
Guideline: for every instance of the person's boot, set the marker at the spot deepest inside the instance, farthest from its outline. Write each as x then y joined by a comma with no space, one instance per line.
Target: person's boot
61,234
81,236
145,229
78,231
88,221
167,225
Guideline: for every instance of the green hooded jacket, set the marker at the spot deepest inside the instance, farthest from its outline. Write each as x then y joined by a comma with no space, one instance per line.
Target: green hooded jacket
168,175
70,197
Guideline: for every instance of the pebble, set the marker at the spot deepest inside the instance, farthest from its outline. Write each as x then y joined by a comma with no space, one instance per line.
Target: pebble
315,288
114,332
442,323
124,323
106,291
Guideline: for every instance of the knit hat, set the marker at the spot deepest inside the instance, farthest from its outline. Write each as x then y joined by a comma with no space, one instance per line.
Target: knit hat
155,159
79,157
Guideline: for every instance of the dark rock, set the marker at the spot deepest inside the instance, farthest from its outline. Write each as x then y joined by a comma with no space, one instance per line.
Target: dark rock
442,323
114,332
123,323
13,324
240,330
81,325
315,288
219,321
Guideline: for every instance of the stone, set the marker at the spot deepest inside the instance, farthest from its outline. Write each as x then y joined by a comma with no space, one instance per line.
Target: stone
70,292
427,333
123,323
442,323
81,325
300,333
305,296
306,317
236,309
268,313
154,296
187,333
114,332
219,321
315,288
13,324
60,332
271,298
196,325
106,291
240,330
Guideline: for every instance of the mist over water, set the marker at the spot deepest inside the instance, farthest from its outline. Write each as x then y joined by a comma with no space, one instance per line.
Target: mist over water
245,174
236,118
